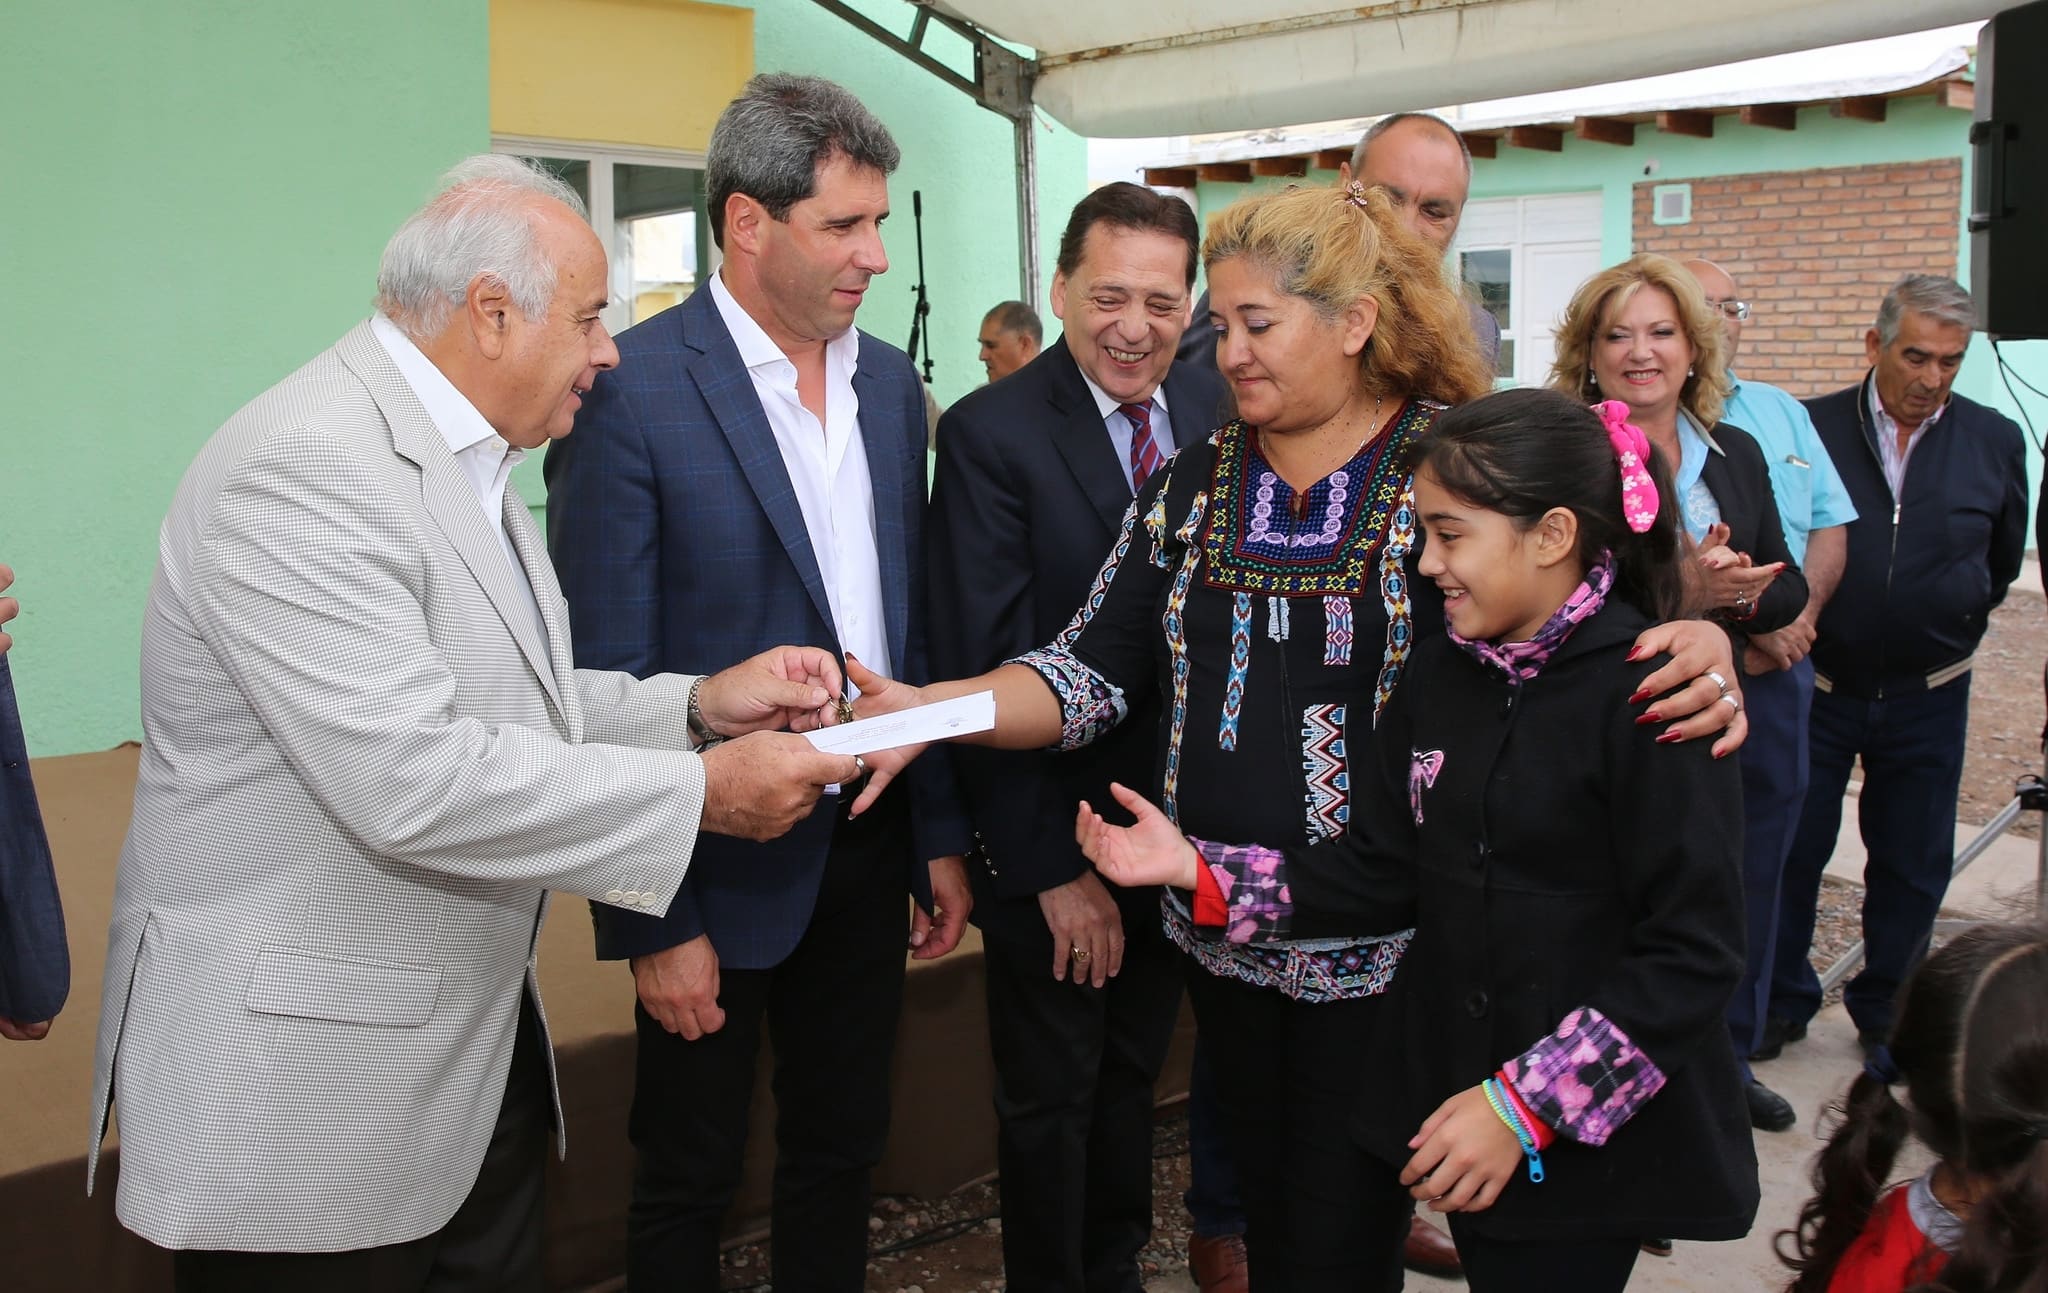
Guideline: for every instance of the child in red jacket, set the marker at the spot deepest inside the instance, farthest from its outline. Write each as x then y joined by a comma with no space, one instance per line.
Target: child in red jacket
1971,1045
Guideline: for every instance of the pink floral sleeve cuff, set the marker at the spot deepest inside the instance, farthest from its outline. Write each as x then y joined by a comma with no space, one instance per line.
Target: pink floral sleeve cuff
1253,882
1586,1079
1090,705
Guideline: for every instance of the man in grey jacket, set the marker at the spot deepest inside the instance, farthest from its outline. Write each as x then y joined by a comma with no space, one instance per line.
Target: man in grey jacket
367,759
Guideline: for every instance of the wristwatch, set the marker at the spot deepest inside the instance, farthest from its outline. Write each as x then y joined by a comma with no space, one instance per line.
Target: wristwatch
693,716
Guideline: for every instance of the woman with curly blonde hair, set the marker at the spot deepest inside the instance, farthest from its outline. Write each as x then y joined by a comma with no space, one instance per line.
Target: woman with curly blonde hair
1642,332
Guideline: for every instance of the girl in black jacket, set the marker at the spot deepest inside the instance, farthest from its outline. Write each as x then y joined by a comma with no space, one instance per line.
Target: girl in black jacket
1575,892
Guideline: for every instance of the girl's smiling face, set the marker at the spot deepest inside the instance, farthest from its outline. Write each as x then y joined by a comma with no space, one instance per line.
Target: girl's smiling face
1500,582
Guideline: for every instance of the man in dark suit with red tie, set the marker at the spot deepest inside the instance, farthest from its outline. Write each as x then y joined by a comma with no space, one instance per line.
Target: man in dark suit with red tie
1035,474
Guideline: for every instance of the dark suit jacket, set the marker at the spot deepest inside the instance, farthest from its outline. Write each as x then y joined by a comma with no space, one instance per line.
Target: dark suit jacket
1740,481
1926,568
35,961
1028,503
681,548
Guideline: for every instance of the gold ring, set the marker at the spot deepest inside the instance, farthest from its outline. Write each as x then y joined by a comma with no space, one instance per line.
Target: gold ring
1080,953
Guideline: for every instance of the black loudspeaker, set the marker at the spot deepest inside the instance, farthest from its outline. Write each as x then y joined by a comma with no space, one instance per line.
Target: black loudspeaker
2009,157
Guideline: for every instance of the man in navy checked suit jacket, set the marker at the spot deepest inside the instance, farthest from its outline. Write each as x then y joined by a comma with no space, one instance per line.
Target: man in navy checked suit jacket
35,961
701,510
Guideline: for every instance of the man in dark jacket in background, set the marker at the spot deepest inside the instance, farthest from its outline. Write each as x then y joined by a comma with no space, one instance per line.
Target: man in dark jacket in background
1939,484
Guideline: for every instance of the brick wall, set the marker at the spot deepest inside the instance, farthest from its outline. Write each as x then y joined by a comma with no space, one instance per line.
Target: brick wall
1813,252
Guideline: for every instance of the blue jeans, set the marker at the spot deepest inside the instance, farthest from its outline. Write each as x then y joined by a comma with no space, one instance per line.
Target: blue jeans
1773,793
1911,746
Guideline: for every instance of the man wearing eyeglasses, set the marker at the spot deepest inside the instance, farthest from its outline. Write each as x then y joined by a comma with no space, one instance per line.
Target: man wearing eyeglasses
1814,508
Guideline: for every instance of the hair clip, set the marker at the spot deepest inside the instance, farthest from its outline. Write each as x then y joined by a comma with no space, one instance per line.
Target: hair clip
1632,454
1354,193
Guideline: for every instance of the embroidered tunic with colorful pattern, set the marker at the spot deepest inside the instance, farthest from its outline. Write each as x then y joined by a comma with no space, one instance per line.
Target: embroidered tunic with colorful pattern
1275,628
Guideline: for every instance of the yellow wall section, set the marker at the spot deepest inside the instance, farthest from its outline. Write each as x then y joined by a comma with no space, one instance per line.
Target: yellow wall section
649,72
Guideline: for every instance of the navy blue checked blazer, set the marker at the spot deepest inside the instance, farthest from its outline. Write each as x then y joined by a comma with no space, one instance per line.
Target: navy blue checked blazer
35,961
682,549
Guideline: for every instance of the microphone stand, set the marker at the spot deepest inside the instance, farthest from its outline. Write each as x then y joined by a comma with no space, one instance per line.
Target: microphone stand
924,305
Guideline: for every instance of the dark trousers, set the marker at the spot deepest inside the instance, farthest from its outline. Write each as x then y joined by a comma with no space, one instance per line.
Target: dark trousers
1549,1266
1911,746
830,1010
1773,795
491,1244
1075,1068
1322,1214
1211,1197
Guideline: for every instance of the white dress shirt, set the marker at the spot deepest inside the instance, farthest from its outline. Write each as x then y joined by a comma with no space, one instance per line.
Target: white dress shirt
1119,426
483,455
1888,452
828,469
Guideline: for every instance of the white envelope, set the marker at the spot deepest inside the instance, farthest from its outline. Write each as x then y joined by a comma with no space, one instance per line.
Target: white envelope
961,716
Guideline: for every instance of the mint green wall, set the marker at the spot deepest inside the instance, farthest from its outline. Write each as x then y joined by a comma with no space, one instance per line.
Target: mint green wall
1914,130
197,194
199,190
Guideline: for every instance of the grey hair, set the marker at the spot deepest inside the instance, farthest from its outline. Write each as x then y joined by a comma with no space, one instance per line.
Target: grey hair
770,141
1015,316
480,222
1929,294
1384,124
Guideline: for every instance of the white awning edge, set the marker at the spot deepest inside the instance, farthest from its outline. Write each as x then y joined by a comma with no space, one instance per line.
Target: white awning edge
1489,116
1409,55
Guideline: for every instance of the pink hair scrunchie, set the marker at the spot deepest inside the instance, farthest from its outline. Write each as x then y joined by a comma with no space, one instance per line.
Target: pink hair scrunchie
1632,452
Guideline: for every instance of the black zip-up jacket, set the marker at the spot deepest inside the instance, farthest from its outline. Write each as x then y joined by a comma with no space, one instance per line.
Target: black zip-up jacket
1925,569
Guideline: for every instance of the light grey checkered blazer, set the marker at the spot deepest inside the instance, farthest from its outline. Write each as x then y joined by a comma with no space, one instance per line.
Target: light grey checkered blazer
361,771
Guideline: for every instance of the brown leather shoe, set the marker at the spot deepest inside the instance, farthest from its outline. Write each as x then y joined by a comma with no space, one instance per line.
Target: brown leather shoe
1218,1263
1429,1251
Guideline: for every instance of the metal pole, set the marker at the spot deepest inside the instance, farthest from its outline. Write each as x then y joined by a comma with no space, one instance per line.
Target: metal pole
2031,797
1027,205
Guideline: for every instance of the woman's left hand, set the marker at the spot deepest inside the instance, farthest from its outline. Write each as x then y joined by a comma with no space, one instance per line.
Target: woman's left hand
1730,581
1701,671
1464,1155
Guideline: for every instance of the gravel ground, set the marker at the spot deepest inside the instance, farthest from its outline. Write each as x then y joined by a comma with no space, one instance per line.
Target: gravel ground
954,1244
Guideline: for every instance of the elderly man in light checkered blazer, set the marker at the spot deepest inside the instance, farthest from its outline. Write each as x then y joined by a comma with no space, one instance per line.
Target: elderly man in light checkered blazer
367,760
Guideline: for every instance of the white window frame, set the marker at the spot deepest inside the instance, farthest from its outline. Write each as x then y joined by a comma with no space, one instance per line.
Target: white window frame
1517,220
618,311
1510,330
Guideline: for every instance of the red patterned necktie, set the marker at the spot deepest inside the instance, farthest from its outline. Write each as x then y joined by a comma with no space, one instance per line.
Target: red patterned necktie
1145,455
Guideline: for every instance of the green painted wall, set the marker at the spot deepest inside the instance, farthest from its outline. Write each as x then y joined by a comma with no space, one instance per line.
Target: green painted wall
1915,129
197,194
201,190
